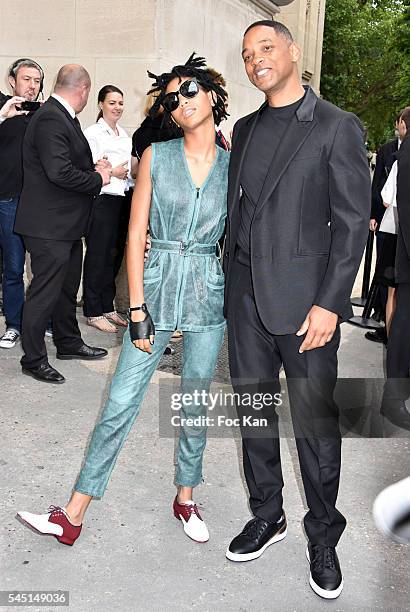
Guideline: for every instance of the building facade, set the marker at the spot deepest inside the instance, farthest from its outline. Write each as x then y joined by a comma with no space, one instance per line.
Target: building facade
119,41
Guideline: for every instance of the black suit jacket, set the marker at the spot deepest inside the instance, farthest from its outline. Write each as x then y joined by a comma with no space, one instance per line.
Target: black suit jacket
403,211
385,159
59,180
311,220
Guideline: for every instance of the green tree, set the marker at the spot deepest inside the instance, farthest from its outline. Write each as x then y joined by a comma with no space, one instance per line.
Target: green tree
366,61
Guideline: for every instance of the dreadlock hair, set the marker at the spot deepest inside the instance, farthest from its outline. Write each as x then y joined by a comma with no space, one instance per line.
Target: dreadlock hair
194,67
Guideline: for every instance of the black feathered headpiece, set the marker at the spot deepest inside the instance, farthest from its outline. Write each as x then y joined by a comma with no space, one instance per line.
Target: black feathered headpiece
195,67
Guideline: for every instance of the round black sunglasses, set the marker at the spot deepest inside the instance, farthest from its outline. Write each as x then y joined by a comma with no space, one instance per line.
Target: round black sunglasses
188,89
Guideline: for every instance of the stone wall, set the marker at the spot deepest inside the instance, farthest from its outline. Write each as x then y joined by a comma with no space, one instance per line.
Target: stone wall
118,41
305,19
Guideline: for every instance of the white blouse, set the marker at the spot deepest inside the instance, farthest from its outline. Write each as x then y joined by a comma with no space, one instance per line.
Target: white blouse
104,141
389,223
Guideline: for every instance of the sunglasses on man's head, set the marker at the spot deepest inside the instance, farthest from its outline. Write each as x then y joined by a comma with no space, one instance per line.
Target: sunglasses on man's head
189,89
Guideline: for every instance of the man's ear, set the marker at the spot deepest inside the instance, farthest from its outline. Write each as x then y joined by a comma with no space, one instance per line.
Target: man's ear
294,51
12,82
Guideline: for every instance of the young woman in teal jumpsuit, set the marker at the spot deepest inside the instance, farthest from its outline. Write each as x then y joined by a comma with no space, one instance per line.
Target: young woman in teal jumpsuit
181,194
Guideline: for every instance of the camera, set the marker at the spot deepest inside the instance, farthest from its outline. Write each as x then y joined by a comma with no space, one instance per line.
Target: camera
30,106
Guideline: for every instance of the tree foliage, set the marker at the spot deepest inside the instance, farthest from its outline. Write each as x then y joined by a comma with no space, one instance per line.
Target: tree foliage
366,61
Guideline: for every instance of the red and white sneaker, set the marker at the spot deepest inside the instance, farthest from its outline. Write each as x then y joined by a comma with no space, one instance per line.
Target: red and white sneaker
55,522
192,521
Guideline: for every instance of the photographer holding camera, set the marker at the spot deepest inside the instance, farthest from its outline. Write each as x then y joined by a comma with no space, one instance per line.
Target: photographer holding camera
26,79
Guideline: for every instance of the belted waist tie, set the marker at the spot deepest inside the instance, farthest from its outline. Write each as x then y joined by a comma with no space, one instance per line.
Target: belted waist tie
184,248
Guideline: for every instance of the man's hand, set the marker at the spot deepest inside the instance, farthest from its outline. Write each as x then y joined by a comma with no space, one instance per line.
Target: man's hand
105,174
9,109
373,225
320,325
103,163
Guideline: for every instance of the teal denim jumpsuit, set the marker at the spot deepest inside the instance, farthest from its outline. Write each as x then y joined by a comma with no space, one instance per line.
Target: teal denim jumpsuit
183,289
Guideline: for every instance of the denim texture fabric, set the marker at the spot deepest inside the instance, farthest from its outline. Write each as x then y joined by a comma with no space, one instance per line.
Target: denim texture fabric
129,385
184,288
13,264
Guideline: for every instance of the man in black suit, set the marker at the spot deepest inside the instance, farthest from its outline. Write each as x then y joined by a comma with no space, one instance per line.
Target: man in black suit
398,347
60,182
386,156
298,214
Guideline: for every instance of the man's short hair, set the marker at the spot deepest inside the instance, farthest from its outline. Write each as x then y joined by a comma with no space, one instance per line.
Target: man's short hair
405,116
27,63
279,28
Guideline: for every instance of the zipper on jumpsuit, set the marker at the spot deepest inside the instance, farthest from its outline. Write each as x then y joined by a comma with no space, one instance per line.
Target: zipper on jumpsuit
185,261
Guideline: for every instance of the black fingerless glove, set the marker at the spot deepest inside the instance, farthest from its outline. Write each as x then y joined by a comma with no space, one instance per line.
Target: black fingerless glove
141,330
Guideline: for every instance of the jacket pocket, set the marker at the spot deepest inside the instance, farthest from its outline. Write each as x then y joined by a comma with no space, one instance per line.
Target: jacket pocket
314,229
215,280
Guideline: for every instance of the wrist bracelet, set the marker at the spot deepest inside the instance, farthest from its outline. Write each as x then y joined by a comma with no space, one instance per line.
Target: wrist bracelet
143,307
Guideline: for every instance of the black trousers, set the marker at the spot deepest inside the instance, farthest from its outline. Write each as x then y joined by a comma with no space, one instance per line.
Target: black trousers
255,358
99,270
122,231
56,267
398,346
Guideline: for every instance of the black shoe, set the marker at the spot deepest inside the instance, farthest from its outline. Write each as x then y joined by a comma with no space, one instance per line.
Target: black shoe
378,335
255,538
325,574
84,352
46,373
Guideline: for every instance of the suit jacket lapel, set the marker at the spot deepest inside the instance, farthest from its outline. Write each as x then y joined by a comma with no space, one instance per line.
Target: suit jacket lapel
293,139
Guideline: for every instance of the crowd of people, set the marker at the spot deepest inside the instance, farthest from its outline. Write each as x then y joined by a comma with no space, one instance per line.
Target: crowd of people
294,198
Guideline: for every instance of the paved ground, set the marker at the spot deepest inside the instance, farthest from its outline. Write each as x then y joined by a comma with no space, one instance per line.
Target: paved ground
132,554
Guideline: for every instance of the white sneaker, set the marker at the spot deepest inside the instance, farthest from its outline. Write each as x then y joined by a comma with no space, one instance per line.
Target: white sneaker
9,338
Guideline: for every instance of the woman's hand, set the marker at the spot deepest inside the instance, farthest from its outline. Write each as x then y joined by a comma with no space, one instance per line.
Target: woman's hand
144,344
121,171
373,225
147,247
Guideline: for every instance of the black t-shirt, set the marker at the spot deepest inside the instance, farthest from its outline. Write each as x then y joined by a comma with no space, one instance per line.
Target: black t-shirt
268,133
11,154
